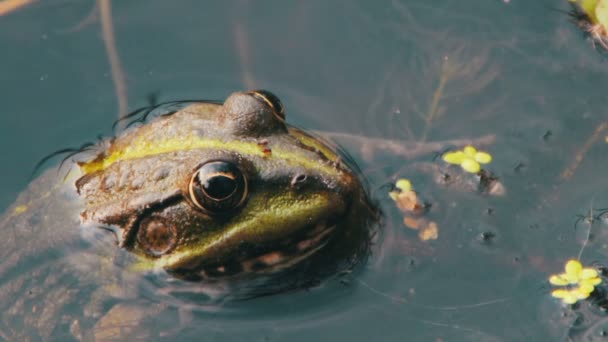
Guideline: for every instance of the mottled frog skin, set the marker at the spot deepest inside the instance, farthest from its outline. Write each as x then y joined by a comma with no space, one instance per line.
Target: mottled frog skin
211,195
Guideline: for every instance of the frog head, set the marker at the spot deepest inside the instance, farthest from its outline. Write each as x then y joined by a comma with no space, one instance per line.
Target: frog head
217,190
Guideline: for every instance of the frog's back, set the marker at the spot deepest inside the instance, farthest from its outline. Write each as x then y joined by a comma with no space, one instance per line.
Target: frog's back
38,282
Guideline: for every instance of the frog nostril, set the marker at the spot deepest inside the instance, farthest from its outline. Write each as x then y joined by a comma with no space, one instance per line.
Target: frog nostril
156,236
298,179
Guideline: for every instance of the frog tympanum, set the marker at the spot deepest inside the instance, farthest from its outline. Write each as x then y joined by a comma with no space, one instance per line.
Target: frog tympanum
212,192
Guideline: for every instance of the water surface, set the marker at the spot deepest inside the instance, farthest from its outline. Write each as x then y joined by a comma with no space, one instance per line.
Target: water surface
408,70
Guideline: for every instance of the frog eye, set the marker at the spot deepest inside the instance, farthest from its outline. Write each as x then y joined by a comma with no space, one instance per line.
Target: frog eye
217,187
272,101
156,236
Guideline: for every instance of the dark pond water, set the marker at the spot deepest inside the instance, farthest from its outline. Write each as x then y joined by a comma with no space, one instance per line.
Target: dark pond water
515,74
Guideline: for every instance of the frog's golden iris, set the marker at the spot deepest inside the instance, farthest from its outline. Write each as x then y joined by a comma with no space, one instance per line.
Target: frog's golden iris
218,187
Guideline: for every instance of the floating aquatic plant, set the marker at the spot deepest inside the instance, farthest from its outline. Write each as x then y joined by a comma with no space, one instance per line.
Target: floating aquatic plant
577,282
413,210
405,197
468,158
592,16
403,185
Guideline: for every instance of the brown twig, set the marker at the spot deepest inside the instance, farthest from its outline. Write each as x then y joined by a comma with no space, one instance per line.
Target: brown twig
8,6
241,40
580,154
406,149
118,78
242,48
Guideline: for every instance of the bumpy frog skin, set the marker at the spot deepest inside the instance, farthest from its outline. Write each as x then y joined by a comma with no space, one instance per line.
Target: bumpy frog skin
217,190
213,191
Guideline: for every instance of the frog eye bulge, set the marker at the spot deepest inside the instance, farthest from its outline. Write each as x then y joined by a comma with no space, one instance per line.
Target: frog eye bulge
272,101
217,187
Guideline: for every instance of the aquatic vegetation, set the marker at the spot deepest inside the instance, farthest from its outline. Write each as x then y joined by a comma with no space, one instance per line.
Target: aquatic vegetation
409,204
468,158
405,197
595,10
450,70
430,231
403,184
592,16
583,150
578,282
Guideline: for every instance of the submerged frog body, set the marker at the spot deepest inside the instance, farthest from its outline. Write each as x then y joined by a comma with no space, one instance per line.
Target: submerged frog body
211,194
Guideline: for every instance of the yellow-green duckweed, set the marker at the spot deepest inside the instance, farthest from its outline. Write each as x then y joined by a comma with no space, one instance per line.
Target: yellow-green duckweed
578,282
468,158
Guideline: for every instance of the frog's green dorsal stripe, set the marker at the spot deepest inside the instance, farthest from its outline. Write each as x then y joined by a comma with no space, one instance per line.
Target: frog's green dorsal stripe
141,148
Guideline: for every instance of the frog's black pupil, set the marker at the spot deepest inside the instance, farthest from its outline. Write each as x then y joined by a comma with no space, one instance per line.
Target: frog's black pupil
219,187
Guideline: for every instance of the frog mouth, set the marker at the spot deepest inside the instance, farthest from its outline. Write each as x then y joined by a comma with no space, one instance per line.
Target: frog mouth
282,255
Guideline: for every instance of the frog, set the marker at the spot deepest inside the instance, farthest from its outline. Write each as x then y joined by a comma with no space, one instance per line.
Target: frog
216,194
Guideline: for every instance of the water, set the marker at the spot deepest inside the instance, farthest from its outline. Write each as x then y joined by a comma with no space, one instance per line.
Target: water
518,71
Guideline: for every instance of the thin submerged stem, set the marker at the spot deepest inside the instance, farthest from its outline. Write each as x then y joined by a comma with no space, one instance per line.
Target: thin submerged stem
437,95
406,149
118,76
241,41
590,220
580,154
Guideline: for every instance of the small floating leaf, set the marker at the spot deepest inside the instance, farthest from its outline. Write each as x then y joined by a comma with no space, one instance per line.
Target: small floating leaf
580,282
403,184
468,158
573,268
558,280
470,165
588,7
456,157
483,157
470,151
587,273
601,13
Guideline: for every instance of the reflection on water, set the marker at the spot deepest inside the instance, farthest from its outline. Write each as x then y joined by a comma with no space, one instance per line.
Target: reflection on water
444,73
